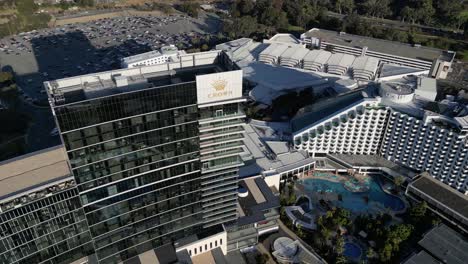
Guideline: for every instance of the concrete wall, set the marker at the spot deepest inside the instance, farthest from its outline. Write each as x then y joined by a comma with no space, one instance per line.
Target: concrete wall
207,244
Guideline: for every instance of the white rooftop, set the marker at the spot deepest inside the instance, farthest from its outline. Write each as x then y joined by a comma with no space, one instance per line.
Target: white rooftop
165,50
285,38
280,78
274,50
264,158
318,56
142,56
366,63
341,60
295,53
278,147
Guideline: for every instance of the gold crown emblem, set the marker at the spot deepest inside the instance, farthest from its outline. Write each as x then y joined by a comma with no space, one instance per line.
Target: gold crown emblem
219,85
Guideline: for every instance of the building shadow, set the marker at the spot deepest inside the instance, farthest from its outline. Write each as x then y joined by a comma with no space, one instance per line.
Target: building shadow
61,56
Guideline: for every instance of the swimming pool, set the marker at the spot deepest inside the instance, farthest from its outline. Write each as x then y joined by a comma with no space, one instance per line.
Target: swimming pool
352,250
352,201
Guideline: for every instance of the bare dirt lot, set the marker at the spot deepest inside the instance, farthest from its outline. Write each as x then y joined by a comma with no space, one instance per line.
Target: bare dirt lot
92,17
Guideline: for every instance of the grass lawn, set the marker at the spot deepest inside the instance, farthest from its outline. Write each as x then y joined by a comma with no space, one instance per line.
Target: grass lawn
464,55
295,28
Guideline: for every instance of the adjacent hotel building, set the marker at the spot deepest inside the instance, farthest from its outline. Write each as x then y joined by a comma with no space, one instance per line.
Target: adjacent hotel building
41,216
394,121
154,151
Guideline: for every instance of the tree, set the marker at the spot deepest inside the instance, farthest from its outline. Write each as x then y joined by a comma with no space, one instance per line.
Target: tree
325,233
418,211
377,8
386,252
339,246
245,7
26,7
191,8
341,217
283,200
269,17
241,27
448,11
6,77
398,180
292,198
400,36
344,6
300,12
370,253
426,11
300,233
408,14
461,19
355,25
399,233
341,260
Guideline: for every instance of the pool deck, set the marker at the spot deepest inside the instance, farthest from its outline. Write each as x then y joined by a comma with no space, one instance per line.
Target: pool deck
401,197
375,207
341,179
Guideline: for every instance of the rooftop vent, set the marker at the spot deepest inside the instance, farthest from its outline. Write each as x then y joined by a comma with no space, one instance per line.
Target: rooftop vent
120,80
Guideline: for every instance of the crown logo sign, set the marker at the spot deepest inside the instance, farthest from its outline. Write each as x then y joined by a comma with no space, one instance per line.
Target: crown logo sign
219,85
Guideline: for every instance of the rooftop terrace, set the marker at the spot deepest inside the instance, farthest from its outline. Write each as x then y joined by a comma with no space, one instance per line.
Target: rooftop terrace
446,244
260,197
33,170
86,87
269,155
443,195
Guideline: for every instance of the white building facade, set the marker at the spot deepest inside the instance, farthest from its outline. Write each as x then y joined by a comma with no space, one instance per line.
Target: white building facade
432,143
165,55
426,146
357,129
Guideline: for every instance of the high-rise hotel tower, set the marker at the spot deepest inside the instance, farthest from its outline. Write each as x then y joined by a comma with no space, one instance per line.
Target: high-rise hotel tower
154,150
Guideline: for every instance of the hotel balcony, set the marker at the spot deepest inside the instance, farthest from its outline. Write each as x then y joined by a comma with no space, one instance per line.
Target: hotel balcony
221,132
228,138
216,125
225,116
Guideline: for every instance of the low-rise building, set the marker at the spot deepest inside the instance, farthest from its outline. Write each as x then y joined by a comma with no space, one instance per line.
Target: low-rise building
436,62
41,216
441,244
258,211
441,199
164,55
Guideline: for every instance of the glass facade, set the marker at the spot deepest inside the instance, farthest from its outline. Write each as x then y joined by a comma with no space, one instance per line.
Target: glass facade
151,164
136,160
48,226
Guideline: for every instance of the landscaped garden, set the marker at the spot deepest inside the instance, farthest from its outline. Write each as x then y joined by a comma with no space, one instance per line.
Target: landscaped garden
375,226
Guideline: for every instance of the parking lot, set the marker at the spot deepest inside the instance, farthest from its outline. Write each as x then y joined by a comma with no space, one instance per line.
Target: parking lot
76,49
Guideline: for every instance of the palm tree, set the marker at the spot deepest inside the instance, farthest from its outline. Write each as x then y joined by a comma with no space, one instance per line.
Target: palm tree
339,247
398,181
370,253
299,231
341,260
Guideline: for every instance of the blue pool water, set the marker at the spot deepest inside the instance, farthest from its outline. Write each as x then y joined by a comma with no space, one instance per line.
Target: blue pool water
355,201
352,250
